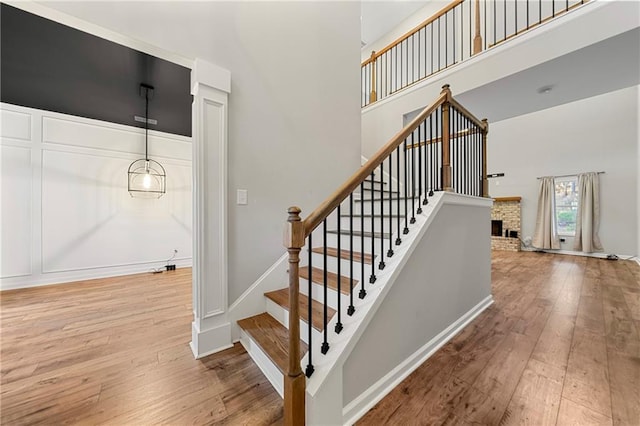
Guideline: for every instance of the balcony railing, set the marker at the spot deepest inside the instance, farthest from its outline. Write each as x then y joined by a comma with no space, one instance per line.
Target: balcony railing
457,32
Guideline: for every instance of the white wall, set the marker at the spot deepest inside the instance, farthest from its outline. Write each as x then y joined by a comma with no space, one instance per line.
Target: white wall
66,212
294,113
448,274
594,134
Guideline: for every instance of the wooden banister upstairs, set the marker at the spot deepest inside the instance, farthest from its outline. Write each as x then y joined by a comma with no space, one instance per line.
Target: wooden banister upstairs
455,33
450,155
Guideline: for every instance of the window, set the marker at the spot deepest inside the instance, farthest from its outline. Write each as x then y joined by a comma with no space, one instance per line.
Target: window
566,205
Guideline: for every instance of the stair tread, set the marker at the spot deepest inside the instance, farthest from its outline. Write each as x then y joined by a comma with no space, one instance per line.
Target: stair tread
393,198
369,180
367,234
368,215
272,337
332,279
386,191
344,254
281,297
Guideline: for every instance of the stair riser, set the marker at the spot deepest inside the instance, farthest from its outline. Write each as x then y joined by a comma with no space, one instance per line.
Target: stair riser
282,315
376,193
318,295
267,367
332,265
332,241
345,223
365,206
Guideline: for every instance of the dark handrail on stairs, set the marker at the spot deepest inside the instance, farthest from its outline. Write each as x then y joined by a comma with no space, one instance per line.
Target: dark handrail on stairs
443,148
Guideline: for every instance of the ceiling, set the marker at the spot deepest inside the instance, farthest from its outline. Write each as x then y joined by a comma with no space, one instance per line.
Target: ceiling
609,65
380,17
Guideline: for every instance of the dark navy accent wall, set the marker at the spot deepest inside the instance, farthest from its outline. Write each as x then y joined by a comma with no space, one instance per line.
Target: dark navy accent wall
50,66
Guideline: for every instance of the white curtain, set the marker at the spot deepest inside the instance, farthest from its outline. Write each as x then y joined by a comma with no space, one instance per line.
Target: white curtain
545,235
588,216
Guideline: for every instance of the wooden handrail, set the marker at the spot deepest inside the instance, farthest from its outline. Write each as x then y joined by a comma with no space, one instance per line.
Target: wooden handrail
297,230
319,214
400,39
465,132
480,123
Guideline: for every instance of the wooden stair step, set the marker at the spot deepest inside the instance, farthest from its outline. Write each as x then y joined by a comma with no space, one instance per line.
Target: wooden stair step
272,337
344,254
369,180
386,191
366,234
393,198
356,216
317,276
281,297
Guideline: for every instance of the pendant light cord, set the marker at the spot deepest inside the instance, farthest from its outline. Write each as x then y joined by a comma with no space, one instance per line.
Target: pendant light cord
146,124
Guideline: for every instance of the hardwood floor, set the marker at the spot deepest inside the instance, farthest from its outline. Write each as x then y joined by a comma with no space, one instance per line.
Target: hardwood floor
115,351
559,346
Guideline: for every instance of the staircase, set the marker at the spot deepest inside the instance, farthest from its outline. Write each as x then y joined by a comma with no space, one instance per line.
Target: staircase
349,255
265,335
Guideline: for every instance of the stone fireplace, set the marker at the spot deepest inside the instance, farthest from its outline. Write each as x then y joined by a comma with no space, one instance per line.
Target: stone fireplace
505,224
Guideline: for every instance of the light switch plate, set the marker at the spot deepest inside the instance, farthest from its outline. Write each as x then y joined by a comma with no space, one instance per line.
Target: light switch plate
242,197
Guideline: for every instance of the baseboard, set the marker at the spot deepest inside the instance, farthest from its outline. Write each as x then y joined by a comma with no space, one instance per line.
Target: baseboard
65,277
206,342
581,253
252,301
363,403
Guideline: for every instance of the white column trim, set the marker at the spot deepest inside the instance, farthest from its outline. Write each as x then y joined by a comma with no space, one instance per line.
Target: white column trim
211,329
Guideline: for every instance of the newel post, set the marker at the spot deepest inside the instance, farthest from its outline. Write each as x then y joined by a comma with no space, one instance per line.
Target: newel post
477,40
373,96
485,181
446,155
294,379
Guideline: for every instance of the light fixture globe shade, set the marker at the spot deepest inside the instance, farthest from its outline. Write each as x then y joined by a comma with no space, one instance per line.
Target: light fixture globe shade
147,179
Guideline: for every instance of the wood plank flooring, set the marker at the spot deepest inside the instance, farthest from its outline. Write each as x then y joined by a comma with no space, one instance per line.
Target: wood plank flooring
559,346
116,351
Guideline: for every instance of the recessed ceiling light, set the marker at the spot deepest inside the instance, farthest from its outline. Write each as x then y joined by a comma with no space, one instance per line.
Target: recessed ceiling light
545,90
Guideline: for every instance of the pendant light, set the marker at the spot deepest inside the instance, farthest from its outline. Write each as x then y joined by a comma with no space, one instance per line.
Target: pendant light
147,178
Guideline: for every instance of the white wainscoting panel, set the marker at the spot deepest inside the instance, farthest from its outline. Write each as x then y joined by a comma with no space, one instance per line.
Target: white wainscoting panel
113,137
66,211
15,125
16,211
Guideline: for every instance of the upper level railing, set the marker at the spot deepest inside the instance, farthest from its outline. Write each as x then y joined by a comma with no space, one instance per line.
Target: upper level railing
443,148
454,34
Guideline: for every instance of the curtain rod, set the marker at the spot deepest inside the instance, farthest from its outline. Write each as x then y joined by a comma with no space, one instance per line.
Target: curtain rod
558,176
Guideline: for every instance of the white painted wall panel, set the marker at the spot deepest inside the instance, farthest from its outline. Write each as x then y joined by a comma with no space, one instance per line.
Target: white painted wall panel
16,210
66,211
15,125
111,137
89,220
